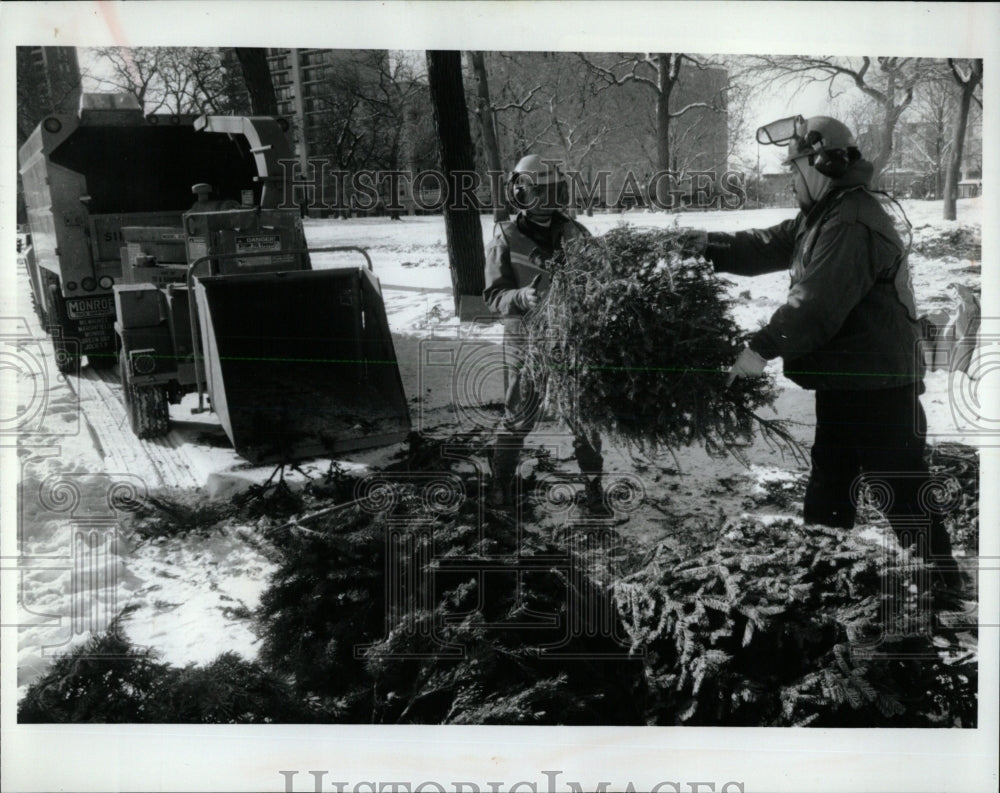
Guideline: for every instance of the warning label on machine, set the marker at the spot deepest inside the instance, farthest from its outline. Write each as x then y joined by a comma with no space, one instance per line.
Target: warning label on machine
83,307
258,242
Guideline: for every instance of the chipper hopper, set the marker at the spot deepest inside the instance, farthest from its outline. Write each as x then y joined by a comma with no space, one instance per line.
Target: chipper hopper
300,363
295,362
218,298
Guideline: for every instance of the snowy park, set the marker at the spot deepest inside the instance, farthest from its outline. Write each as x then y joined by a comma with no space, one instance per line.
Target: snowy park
209,537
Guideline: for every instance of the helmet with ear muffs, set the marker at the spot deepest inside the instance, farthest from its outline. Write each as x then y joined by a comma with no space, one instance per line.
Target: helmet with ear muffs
533,177
829,145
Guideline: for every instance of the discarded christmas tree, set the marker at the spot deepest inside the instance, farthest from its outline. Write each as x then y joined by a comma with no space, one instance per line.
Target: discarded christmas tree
636,339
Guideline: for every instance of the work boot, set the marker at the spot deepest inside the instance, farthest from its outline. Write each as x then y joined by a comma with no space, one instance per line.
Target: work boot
595,499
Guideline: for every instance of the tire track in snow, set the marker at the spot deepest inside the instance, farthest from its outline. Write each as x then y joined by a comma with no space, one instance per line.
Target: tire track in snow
161,463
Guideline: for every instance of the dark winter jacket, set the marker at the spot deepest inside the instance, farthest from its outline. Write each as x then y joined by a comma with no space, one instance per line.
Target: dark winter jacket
519,250
849,321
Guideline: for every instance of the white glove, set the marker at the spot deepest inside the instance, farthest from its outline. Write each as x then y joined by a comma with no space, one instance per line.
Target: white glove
526,298
693,242
747,364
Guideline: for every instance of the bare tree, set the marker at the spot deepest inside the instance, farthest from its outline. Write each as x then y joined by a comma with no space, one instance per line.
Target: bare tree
889,82
515,104
576,121
135,71
968,76
170,79
369,102
464,232
659,73
928,139
487,126
546,104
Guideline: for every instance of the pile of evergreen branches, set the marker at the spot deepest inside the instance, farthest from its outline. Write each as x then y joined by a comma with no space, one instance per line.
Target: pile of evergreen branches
636,340
741,623
108,680
782,624
455,645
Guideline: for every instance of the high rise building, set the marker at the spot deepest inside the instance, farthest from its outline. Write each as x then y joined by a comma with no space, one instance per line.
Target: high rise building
57,71
305,82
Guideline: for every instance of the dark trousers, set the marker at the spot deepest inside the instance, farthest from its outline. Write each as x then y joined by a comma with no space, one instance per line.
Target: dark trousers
523,406
875,437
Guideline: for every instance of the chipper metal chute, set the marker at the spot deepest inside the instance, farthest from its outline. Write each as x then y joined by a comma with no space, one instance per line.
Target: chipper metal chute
295,362
300,363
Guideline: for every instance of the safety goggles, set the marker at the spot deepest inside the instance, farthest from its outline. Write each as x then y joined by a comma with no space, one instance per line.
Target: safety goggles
791,132
782,131
554,195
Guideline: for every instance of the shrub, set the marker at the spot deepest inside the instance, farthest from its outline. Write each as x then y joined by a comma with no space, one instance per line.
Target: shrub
105,680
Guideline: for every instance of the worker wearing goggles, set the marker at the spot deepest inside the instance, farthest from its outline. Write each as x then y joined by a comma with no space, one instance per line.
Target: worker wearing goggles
516,277
848,330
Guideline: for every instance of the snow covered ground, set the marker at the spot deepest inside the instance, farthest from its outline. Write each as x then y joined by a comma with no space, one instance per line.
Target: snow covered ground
188,598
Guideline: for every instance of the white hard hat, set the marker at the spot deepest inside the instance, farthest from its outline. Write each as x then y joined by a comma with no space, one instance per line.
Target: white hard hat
537,171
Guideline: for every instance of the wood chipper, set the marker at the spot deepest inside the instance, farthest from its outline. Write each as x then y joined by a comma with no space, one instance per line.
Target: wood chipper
219,297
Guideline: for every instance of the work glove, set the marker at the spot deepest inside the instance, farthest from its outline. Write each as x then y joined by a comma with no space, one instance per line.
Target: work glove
526,298
747,364
693,242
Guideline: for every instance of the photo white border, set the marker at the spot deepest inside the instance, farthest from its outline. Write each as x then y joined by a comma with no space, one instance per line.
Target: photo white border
191,757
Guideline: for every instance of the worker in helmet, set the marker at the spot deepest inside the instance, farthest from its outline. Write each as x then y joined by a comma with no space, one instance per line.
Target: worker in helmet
516,258
848,330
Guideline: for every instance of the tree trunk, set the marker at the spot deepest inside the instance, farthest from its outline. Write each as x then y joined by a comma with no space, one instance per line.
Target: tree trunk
883,157
257,76
409,147
466,254
665,81
590,181
968,88
487,124
955,161
665,84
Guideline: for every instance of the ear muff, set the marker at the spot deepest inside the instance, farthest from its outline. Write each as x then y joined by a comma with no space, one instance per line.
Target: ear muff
831,162
522,189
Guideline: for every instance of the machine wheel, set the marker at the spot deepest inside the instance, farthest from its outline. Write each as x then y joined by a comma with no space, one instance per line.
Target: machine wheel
102,360
147,408
67,358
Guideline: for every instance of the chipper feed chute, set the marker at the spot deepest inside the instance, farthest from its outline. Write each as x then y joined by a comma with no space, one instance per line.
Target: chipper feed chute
300,364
